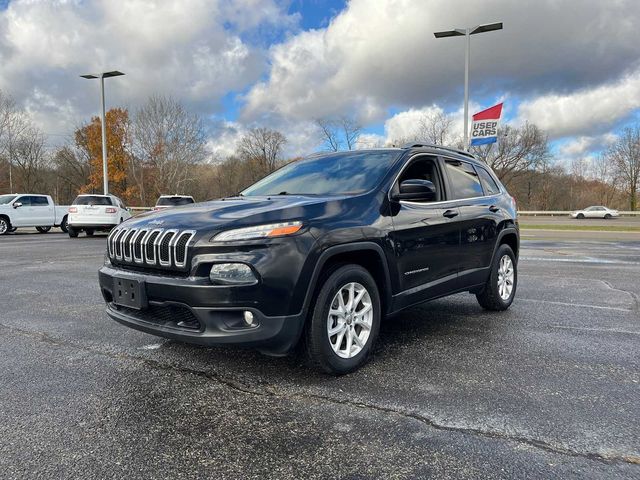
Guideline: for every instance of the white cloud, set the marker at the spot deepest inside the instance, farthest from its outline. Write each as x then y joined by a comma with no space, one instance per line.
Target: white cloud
193,50
375,55
585,145
584,111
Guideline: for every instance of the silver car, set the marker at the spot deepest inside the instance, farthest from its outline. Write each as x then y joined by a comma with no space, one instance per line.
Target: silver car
595,212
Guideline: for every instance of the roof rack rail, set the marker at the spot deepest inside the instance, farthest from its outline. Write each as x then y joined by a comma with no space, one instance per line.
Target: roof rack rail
440,147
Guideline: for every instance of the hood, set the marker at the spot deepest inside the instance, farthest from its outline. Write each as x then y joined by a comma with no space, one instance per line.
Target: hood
233,213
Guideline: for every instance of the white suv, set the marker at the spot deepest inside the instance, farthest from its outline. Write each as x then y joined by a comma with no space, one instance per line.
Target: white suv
95,212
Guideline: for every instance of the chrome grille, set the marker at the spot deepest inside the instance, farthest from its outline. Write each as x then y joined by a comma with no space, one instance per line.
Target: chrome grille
155,248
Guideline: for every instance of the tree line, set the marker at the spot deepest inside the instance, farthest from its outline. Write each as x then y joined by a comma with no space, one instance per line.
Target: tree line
161,148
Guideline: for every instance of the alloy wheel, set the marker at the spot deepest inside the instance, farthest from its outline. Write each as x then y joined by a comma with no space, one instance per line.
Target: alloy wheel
506,276
3,226
350,320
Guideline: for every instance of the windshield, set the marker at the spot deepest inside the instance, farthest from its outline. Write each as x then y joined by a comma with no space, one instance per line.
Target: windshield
173,201
92,200
331,174
5,199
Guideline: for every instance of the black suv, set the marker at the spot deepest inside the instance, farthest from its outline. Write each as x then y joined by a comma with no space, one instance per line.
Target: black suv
319,250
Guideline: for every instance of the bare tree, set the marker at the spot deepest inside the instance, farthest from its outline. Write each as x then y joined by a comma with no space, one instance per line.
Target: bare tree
431,127
625,154
334,133
605,173
262,146
29,157
169,140
518,150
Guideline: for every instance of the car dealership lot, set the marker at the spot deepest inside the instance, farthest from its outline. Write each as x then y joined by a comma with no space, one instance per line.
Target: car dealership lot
549,388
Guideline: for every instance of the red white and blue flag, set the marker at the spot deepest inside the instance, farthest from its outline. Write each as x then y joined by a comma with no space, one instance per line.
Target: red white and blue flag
484,128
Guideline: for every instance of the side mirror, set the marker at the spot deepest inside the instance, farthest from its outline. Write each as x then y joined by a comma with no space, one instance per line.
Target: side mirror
416,189
17,204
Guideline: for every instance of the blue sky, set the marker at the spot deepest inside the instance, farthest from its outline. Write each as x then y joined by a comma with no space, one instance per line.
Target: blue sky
570,67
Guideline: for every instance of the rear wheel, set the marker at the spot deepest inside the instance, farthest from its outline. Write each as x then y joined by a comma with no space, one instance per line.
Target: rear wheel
43,229
5,225
344,321
63,225
73,233
500,289
89,232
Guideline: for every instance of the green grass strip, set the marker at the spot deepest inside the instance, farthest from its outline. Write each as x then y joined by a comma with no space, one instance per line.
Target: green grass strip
582,228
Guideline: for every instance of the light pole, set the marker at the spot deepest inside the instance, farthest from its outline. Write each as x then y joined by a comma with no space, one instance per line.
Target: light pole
467,32
102,76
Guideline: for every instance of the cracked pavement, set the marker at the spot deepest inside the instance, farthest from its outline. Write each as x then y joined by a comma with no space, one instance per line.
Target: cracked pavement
548,389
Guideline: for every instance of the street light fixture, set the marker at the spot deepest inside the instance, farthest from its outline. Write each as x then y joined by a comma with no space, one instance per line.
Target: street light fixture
102,76
467,32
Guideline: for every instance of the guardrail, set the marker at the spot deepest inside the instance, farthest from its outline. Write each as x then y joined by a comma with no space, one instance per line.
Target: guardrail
562,213
531,213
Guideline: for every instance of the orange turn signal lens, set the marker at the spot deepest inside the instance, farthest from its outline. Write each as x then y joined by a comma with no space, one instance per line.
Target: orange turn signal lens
288,230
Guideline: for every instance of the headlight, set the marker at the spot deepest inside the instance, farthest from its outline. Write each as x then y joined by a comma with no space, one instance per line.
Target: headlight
259,231
232,274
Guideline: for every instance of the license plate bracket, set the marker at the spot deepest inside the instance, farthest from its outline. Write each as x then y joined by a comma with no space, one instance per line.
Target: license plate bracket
129,293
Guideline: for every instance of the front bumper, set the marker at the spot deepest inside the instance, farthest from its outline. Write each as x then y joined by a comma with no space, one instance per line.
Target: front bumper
189,310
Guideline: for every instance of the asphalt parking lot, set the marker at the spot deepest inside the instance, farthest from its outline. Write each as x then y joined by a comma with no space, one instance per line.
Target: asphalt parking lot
548,389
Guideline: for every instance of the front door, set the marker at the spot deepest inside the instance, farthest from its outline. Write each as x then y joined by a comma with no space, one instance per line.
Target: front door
426,237
21,216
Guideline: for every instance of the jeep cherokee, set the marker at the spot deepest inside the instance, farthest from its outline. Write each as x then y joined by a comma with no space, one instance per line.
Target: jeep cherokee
318,251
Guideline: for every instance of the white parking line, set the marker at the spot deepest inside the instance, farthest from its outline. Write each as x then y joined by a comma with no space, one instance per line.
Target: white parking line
607,330
580,305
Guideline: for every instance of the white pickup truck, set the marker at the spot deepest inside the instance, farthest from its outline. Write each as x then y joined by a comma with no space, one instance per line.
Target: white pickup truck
31,210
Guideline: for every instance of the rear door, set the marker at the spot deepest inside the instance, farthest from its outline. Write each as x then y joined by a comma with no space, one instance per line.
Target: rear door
480,217
426,236
42,214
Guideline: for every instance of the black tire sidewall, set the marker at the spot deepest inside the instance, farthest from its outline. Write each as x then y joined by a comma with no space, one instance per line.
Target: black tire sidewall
329,360
73,233
63,225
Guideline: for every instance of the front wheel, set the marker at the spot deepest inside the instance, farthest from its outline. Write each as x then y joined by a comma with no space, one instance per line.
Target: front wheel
89,232
345,321
5,226
43,229
73,233
580,216
607,216
500,289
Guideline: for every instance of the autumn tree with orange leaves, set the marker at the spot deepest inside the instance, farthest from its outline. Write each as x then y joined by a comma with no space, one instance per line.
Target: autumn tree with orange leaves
89,140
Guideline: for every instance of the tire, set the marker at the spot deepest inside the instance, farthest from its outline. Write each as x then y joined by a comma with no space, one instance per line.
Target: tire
332,354
63,225
43,229
490,297
580,216
89,232
607,216
73,233
5,226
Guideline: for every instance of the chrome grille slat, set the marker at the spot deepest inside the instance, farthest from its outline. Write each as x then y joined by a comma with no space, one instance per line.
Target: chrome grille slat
152,247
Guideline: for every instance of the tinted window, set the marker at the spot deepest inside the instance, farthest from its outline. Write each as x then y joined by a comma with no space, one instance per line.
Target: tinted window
331,174
174,201
92,200
6,199
488,183
25,201
464,180
39,202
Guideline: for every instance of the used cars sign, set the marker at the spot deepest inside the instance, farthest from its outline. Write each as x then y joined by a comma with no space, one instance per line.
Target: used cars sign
484,128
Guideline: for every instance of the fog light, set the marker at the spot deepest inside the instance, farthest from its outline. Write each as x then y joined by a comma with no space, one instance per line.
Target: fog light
232,274
248,318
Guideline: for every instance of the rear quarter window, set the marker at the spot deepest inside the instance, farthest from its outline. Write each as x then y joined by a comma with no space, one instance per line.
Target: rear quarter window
488,183
464,180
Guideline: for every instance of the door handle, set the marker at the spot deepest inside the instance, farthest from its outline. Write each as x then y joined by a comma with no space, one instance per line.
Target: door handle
494,209
450,214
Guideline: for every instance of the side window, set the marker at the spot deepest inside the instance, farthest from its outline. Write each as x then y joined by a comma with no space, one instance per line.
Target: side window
488,183
423,169
464,180
39,202
25,201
